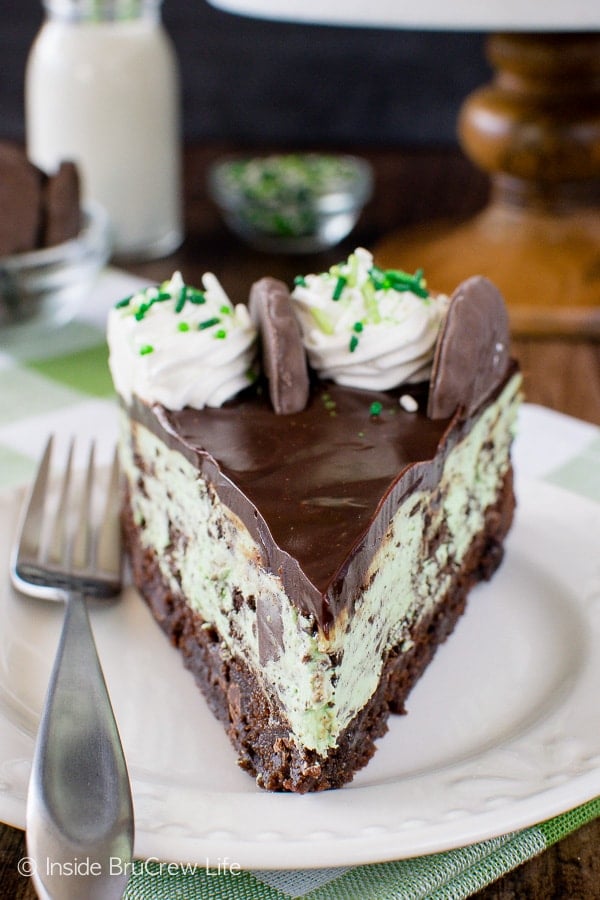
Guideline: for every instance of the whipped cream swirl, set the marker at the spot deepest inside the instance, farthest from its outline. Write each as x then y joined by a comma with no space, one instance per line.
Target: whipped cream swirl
368,328
180,346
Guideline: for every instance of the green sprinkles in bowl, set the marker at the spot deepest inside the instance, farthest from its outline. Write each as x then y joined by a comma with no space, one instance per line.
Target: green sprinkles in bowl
284,195
289,176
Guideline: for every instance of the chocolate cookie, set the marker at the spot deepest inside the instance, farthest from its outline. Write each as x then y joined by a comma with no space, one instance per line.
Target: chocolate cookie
472,352
61,206
20,201
284,359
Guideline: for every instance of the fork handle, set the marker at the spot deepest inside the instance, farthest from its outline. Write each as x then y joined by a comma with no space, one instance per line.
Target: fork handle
79,806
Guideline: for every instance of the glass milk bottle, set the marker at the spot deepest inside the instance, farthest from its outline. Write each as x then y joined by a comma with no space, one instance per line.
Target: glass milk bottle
102,89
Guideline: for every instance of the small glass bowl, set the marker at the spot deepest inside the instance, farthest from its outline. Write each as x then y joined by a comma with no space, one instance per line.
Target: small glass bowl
291,202
49,284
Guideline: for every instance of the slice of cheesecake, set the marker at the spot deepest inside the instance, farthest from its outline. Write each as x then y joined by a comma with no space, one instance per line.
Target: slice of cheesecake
307,563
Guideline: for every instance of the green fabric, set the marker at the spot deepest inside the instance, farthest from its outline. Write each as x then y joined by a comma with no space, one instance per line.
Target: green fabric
154,882
555,829
38,342
86,370
25,394
444,876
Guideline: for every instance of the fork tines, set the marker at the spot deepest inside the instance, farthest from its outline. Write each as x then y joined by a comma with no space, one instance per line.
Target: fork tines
67,542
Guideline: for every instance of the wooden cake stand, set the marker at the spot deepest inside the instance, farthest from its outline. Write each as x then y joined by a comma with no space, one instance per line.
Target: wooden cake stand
536,130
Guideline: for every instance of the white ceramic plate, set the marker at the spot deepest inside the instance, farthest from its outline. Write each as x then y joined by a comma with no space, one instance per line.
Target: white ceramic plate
503,729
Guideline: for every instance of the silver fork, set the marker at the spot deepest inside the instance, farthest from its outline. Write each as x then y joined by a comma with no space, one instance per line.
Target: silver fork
79,822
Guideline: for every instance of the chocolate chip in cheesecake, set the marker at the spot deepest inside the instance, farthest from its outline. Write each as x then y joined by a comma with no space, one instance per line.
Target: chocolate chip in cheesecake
473,349
284,359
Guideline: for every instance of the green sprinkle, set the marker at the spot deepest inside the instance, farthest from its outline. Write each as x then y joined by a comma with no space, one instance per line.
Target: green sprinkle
141,311
181,299
398,280
162,296
208,323
220,334
226,310
378,278
124,302
300,280
371,303
358,327
323,321
146,349
328,402
339,287
195,296
183,326
375,408
353,273
353,343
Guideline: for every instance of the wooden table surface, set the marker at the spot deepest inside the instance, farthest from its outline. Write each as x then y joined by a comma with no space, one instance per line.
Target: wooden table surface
564,374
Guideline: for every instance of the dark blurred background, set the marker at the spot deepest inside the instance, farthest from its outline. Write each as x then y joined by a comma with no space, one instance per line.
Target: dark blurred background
251,81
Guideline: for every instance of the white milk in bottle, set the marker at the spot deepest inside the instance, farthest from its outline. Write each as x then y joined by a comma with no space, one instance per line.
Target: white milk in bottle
102,89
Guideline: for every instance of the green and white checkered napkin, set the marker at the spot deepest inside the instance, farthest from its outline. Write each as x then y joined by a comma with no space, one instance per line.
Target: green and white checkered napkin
50,381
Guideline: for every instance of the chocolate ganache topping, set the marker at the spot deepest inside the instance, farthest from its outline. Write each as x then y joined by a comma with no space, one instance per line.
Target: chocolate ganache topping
314,485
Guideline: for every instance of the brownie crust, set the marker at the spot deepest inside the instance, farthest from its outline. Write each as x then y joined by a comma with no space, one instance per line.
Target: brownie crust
255,724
